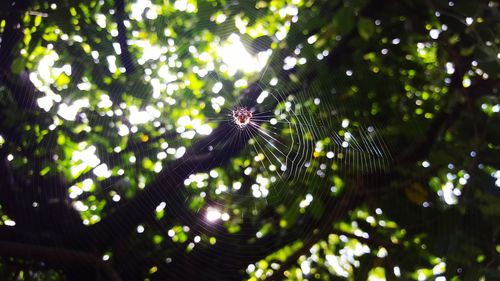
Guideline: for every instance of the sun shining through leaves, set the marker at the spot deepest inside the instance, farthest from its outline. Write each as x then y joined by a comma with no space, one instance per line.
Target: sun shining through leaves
286,139
247,139
236,57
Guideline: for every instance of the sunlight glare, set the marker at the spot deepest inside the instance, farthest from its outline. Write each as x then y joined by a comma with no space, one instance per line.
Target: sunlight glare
236,57
213,214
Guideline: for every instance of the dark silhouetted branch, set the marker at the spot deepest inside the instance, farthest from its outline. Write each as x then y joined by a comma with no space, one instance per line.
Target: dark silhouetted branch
57,257
168,185
125,55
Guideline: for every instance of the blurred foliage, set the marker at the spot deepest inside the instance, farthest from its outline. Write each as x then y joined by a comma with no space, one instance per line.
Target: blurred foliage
100,99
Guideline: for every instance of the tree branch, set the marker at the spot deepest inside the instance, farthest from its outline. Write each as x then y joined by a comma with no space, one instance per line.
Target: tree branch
125,55
57,257
168,185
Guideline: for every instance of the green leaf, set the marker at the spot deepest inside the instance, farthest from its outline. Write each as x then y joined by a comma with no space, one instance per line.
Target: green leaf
344,20
38,20
365,28
18,65
45,171
51,37
62,80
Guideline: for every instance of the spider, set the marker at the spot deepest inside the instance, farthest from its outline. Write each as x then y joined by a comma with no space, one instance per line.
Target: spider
241,116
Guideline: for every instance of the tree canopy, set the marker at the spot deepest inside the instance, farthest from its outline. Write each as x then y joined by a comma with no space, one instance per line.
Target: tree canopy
249,140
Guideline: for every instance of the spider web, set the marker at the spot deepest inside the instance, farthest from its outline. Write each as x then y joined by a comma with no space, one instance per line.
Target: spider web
295,135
